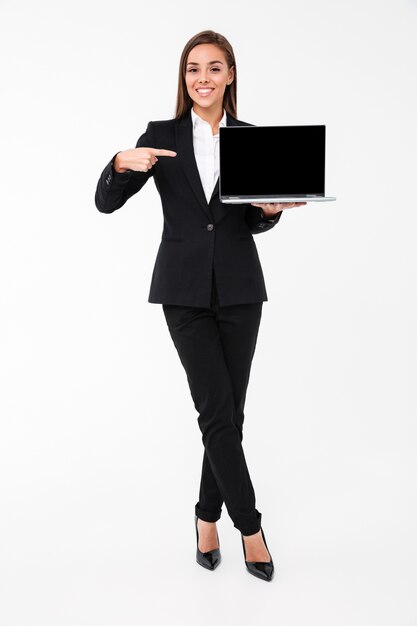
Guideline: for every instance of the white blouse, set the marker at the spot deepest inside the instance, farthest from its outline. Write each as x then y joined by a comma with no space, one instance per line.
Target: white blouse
206,151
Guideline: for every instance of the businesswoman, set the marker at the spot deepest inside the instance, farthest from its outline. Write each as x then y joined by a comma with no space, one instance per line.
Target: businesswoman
208,278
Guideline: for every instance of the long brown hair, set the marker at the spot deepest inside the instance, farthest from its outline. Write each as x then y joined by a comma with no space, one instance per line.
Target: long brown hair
184,102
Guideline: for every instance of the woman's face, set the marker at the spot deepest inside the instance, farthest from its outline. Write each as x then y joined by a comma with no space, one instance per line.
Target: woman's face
207,67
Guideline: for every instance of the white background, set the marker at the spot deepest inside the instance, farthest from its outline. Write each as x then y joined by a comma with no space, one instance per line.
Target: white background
98,428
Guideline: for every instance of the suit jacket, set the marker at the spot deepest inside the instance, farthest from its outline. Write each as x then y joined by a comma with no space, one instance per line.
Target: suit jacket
198,238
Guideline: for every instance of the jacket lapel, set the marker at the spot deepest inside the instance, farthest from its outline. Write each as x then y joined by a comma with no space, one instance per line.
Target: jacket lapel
184,138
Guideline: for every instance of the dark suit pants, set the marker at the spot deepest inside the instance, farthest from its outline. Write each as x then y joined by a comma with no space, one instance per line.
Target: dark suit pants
216,346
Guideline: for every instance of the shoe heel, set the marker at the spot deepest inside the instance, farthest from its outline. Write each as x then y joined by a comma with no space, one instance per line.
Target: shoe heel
260,569
210,559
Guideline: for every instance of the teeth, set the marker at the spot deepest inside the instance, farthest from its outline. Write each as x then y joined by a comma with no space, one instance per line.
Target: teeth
204,90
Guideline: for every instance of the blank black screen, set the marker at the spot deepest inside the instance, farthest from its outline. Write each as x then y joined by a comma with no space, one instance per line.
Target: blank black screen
269,160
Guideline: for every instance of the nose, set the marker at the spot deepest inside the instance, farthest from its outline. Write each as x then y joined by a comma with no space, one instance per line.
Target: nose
203,79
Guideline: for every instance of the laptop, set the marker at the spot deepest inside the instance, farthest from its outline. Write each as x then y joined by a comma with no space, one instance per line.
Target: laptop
272,164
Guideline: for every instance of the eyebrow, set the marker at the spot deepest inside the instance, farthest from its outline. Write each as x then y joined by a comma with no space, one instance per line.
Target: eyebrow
209,63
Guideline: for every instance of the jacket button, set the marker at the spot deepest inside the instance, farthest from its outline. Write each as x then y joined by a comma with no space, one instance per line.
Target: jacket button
210,226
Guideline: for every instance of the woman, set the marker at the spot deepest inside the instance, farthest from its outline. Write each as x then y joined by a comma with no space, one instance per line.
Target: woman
208,278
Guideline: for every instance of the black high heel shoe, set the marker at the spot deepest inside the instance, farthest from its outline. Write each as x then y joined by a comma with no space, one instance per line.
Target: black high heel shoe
210,559
261,569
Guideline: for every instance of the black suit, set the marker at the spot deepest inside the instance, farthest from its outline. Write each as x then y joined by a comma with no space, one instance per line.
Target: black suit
197,237
208,278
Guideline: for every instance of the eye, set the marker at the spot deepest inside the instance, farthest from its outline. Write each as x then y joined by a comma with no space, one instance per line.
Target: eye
192,69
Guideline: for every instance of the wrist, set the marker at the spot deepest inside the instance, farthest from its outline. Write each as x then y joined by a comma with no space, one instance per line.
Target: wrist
269,216
118,164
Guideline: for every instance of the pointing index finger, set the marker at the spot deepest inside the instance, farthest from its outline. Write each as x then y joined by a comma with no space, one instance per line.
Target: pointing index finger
162,152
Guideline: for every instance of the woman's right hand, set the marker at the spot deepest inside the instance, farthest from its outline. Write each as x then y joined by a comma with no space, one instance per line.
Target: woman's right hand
139,159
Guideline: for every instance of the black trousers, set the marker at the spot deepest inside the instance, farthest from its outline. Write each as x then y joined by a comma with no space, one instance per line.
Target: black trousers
216,346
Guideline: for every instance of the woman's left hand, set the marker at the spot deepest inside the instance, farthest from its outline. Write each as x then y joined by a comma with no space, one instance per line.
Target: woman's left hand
270,209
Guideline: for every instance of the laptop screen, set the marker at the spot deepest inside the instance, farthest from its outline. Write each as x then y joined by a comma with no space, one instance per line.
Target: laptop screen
272,160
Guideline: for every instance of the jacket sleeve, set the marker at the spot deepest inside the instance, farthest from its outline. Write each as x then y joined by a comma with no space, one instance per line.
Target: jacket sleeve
256,220
114,188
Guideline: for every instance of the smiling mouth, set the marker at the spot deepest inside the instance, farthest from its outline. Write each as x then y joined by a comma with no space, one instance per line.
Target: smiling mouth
205,92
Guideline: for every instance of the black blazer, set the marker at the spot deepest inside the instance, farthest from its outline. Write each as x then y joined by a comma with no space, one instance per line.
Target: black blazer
197,238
